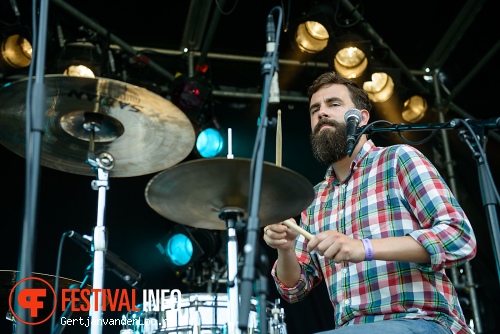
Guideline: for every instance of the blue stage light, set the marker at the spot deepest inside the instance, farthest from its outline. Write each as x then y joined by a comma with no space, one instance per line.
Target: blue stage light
209,143
184,248
179,249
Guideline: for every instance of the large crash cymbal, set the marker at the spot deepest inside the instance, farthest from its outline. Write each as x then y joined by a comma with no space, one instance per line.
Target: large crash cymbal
143,132
193,193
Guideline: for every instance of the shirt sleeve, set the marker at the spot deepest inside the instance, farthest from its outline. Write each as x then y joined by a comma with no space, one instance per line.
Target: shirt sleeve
446,232
310,275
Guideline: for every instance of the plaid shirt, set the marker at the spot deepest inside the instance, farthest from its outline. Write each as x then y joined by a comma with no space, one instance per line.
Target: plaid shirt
393,191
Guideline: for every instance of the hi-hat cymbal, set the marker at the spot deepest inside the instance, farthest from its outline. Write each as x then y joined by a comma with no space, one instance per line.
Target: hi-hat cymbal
193,193
143,132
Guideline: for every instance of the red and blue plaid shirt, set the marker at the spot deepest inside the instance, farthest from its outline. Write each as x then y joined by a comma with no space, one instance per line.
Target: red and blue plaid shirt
393,191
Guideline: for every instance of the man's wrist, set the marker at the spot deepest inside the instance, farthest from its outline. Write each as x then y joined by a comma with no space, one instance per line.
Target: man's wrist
368,249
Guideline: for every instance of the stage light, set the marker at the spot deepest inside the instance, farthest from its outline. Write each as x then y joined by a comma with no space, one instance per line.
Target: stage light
351,58
414,109
314,29
80,60
209,143
79,71
179,249
311,37
191,96
350,62
381,88
16,51
183,247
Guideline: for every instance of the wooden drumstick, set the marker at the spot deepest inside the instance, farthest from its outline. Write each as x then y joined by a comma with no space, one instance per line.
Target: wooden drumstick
298,229
278,139
287,222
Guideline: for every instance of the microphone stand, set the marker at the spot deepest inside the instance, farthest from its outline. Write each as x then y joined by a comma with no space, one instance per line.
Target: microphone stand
35,112
269,65
471,135
489,194
68,312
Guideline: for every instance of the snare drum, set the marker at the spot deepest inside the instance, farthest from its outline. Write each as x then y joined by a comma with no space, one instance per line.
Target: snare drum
194,313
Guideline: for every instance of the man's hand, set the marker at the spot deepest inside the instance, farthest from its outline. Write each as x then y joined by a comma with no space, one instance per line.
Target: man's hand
279,236
337,246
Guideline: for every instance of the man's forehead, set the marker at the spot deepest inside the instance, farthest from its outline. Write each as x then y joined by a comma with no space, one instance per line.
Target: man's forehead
330,91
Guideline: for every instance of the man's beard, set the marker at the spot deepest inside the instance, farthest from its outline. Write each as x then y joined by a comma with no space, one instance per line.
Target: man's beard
329,145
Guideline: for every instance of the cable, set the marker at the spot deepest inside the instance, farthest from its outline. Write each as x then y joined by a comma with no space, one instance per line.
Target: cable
58,268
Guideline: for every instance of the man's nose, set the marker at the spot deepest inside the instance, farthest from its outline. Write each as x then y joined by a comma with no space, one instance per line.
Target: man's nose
322,113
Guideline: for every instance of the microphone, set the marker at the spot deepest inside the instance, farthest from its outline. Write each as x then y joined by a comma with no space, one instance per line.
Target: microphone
60,36
352,118
274,93
13,4
120,268
270,34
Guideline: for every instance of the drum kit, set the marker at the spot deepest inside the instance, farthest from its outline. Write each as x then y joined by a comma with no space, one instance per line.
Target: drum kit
96,125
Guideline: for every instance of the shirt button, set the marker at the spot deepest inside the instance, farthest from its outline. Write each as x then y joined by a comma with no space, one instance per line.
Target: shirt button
346,302
344,270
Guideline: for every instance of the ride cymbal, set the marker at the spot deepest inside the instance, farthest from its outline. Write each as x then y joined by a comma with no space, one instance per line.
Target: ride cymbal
143,132
193,193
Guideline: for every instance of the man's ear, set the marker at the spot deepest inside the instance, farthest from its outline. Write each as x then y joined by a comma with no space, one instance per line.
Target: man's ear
366,117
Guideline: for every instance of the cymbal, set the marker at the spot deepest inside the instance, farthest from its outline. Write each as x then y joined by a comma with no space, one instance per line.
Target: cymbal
193,193
143,132
8,279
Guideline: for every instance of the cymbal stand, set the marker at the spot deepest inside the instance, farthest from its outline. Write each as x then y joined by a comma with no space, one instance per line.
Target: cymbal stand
102,164
232,216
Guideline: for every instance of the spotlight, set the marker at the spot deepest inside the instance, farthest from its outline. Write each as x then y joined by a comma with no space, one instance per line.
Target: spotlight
414,109
381,88
182,247
351,59
311,37
79,71
350,62
16,51
80,60
209,143
314,30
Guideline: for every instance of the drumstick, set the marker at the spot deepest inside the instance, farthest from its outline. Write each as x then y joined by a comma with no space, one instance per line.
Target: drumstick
298,229
278,139
287,222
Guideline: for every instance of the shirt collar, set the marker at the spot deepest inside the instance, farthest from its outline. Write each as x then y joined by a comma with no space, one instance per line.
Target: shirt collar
356,162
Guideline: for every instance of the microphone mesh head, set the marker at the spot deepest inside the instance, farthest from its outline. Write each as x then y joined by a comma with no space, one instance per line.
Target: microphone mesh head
353,113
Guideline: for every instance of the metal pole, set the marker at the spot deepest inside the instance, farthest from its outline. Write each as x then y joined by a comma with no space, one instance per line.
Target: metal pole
470,286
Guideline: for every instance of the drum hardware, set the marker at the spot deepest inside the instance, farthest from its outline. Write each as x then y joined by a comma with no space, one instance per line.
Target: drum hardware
101,164
143,132
210,273
195,192
232,216
202,313
213,194
277,324
126,127
126,124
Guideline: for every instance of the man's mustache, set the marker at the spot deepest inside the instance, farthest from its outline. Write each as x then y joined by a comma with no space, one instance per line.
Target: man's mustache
325,121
